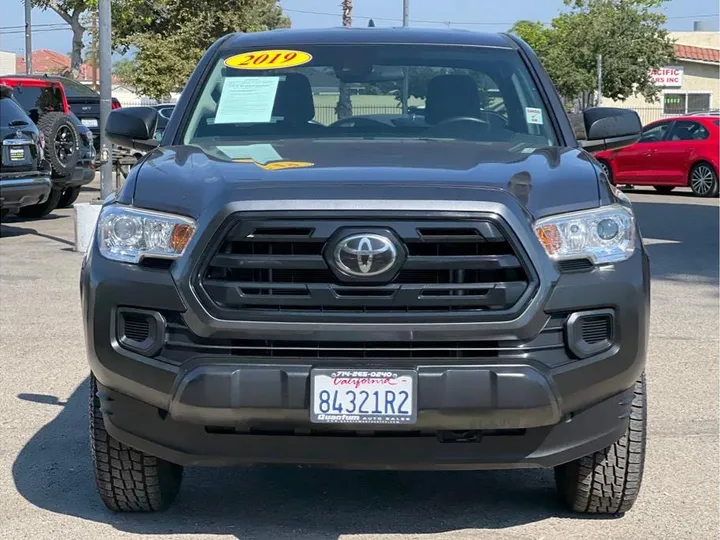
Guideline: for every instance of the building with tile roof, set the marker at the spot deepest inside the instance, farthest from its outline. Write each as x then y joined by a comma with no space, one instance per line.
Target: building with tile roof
691,84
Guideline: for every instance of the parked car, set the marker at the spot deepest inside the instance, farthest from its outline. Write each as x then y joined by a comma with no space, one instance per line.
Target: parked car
46,104
84,102
69,142
469,294
24,172
675,152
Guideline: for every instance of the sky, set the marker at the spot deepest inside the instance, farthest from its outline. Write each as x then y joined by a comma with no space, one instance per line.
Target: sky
483,15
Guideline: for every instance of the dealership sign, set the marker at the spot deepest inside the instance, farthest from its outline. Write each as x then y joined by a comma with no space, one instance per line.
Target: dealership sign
667,77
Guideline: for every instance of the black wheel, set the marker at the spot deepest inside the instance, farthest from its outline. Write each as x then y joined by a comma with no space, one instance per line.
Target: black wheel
607,170
129,480
4,213
608,481
68,197
664,189
704,180
61,142
37,211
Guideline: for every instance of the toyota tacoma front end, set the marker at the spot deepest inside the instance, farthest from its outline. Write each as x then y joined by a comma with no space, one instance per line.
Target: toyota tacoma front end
463,290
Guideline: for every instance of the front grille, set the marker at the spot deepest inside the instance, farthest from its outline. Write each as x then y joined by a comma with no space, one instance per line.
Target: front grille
265,266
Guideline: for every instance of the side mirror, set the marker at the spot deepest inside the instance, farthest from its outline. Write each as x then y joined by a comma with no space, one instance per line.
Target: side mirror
133,127
606,128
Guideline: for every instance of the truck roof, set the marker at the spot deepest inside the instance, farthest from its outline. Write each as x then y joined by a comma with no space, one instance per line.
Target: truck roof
365,35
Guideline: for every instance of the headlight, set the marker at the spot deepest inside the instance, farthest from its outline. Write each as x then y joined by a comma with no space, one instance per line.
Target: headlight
604,235
129,234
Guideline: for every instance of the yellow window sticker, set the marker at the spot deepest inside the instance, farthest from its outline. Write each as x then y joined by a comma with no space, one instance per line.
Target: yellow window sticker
272,59
279,165
276,165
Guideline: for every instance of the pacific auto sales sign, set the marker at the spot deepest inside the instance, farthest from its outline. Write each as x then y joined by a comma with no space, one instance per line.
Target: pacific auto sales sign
667,77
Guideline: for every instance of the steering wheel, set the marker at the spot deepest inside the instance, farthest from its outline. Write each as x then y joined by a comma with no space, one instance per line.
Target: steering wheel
456,119
495,119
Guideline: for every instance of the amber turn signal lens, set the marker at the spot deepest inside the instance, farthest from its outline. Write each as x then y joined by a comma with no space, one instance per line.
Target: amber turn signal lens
180,237
550,238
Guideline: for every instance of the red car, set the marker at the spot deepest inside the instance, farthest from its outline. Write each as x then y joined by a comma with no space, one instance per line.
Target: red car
675,152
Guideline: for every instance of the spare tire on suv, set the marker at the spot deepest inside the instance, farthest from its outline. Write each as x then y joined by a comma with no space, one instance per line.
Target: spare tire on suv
61,142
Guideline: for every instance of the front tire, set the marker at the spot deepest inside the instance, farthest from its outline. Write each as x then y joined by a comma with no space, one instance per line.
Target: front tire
129,480
704,180
608,481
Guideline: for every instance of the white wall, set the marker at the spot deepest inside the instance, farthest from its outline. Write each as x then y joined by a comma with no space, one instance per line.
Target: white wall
7,63
697,39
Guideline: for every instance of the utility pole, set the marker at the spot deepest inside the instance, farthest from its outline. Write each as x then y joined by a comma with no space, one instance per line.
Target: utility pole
599,80
28,37
406,79
105,14
95,50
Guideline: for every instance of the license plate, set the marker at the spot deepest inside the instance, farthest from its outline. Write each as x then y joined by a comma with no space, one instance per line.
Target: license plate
90,122
17,153
363,396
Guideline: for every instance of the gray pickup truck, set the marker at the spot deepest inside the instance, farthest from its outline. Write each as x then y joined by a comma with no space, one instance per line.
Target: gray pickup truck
286,278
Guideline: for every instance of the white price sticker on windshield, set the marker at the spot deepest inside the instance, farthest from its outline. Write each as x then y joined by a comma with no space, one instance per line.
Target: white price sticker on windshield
247,100
533,115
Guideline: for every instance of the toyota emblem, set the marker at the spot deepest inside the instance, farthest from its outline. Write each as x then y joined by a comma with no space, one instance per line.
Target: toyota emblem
365,255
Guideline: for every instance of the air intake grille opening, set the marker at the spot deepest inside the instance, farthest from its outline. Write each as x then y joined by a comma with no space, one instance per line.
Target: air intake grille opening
140,331
595,329
590,332
136,327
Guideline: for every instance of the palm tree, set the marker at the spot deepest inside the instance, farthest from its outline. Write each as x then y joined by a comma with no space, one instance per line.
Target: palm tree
343,108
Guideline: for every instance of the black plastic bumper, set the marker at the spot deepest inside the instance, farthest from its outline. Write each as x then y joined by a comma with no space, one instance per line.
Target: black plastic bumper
19,192
139,425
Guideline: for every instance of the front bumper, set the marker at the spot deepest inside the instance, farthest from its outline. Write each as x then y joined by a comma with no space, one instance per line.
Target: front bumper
139,425
20,192
529,403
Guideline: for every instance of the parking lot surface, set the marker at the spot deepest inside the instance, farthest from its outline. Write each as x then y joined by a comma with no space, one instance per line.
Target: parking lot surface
46,484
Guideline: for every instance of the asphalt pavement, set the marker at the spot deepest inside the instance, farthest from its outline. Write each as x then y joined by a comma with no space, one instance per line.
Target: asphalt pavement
47,488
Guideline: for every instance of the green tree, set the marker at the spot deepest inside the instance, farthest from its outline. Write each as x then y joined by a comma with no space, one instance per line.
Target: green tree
629,35
123,70
71,11
170,36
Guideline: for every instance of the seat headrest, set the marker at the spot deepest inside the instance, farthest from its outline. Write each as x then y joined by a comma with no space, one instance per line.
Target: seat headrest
450,96
294,100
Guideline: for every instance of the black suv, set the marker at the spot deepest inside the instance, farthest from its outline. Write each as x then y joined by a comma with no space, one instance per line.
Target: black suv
277,284
24,172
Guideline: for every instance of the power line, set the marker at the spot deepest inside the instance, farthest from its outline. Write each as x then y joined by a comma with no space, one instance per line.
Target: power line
66,29
447,23
34,25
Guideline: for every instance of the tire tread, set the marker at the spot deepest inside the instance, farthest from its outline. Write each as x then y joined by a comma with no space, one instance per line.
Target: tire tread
608,481
128,480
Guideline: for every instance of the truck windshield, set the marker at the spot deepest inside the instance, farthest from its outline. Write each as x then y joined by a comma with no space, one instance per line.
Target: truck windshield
482,94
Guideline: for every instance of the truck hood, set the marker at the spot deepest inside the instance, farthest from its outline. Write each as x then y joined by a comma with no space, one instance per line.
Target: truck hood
186,179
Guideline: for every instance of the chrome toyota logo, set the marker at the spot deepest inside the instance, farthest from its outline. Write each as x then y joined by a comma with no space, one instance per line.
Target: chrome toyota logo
365,255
